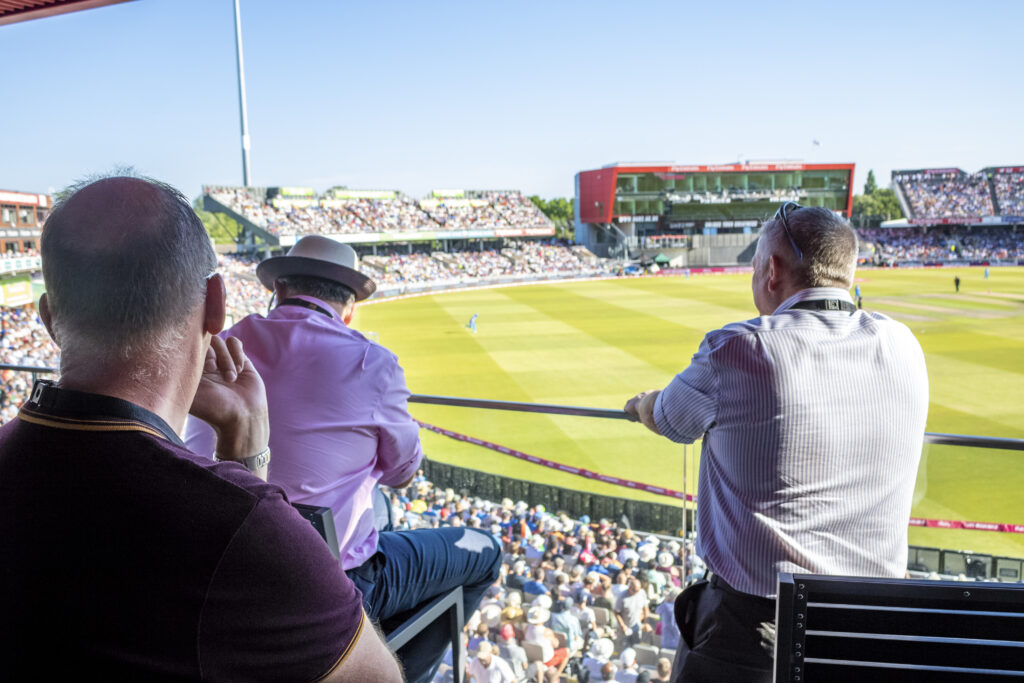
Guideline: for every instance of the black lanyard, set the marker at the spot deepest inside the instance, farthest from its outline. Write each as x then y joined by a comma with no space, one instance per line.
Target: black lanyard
49,399
306,304
826,305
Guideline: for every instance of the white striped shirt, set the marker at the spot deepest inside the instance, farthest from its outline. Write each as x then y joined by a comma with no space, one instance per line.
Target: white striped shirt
813,423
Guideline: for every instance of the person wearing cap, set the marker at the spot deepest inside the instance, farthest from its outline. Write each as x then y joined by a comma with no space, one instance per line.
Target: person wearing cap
512,652
488,667
564,621
600,653
628,669
812,419
339,425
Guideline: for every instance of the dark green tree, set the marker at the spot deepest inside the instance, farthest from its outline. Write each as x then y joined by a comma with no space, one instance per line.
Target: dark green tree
870,185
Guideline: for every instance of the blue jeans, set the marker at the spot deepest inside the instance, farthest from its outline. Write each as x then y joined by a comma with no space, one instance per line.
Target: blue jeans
411,568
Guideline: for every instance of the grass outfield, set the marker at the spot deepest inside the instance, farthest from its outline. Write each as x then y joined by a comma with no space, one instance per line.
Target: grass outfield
598,343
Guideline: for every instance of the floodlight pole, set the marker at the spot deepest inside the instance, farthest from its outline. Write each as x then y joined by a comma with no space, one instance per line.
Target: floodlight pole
241,97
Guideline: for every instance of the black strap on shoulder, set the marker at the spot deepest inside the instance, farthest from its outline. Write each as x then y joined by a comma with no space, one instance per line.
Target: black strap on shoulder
826,305
307,304
49,399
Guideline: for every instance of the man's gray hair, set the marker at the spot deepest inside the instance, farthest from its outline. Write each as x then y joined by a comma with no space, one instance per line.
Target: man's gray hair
828,243
124,267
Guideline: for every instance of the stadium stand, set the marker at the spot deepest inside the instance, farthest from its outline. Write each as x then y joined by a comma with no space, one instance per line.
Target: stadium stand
342,211
936,194
892,246
1009,190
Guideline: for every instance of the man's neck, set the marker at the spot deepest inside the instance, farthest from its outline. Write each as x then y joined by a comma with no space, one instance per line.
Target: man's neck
166,394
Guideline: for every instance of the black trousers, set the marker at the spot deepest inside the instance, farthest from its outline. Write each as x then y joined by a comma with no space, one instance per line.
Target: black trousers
725,635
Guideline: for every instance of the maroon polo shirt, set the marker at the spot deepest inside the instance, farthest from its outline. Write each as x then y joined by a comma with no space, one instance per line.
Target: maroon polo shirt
125,556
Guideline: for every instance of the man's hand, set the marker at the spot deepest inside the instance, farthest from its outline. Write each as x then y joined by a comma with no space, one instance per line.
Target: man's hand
231,399
641,407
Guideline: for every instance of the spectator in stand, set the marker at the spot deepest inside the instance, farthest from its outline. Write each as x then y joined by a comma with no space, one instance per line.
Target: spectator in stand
631,613
664,670
513,653
332,448
609,671
667,621
555,658
628,669
600,654
750,384
179,567
568,624
488,667
535,586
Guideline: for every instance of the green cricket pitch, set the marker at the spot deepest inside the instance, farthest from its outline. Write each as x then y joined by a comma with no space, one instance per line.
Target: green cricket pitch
597,343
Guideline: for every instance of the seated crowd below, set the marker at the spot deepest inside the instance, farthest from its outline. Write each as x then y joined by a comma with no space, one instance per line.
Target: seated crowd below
574,597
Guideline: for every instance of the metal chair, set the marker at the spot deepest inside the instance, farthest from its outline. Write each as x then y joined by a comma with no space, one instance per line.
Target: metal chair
839,629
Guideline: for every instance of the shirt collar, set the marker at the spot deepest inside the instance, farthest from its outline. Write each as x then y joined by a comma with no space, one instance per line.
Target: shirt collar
813,293
331,313
69,409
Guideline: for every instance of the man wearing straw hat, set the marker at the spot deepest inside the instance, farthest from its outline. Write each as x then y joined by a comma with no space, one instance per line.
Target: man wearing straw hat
339,425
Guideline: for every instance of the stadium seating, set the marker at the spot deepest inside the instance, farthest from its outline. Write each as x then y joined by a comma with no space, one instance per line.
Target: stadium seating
946,194
1009,189
331,215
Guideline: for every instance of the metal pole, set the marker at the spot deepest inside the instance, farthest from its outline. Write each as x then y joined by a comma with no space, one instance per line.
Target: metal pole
686,503
241,96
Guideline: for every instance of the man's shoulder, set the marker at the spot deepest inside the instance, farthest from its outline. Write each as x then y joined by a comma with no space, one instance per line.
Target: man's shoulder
337,337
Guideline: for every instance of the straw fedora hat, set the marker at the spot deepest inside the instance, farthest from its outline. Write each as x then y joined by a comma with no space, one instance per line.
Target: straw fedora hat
318,256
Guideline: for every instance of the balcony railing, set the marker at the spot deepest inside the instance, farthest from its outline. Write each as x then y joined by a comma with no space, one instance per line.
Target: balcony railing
995,556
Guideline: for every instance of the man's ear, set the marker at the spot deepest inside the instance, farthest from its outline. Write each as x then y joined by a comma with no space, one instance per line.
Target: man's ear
215,305
46,316
775,270
349,312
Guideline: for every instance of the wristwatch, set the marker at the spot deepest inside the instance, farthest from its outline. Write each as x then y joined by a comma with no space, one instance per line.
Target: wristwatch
254,463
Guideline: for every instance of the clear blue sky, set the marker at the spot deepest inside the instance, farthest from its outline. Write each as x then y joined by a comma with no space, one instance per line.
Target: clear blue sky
421,95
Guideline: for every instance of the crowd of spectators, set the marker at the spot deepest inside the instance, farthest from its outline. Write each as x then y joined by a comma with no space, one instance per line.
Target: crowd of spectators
24,341
521,258
463,214
1009,188
488,210
590,600
516,209
952,194
396,214
895,245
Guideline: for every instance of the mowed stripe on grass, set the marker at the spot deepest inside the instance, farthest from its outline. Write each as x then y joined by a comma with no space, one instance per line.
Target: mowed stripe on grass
597,343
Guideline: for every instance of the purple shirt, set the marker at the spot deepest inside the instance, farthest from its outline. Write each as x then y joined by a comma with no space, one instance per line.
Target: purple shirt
126,557
339,420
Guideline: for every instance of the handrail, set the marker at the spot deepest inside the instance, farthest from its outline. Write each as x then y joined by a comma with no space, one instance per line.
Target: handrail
937,438
516,406
929,437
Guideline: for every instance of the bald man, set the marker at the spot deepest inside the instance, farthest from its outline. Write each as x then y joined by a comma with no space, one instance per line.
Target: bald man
123,554
812,417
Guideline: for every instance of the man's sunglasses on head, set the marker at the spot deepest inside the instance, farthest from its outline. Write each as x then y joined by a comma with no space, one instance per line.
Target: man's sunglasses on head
786,208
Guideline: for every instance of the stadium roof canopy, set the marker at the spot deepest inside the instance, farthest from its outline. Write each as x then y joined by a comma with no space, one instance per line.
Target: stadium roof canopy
12,11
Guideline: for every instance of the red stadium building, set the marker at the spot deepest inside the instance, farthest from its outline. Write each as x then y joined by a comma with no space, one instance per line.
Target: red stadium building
21,220
636,205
